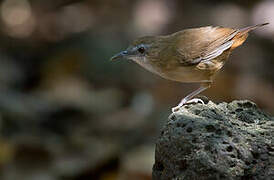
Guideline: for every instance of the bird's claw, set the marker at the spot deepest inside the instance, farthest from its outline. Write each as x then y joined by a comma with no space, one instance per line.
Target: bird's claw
175,109
195,101
192,101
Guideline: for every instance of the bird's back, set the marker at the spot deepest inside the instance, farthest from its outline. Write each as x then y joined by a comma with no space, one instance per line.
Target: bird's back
200,52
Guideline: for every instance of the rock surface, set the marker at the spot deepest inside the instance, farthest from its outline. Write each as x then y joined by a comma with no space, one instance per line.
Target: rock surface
225,141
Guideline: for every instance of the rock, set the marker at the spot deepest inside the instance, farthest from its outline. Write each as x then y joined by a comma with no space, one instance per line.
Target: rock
225,141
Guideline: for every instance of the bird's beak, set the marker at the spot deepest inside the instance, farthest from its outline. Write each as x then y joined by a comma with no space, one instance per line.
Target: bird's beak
119,55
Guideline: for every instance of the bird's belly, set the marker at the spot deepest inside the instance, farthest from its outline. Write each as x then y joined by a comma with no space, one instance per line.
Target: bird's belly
187,74
180,74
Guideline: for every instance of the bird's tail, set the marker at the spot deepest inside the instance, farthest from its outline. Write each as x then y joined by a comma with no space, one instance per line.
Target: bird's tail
250,28
241,36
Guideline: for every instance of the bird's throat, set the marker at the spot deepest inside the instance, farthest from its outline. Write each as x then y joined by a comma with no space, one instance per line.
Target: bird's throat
142,61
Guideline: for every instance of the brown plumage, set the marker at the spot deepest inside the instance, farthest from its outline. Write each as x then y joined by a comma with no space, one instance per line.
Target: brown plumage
191,55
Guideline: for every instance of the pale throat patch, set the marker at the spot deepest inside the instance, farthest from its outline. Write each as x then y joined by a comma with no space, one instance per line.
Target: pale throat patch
142,61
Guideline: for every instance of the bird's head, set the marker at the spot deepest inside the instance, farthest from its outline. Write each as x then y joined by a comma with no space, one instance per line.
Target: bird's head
141,49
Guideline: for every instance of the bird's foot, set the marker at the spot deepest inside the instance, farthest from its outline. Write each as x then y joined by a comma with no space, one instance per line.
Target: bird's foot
184,102
175,109
195,101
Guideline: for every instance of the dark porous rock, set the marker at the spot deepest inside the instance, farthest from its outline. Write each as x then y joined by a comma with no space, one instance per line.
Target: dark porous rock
225,141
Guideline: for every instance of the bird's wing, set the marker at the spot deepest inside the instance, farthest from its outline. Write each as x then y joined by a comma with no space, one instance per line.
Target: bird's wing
202,44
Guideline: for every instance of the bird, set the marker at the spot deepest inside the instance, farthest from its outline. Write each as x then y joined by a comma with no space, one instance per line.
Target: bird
193,55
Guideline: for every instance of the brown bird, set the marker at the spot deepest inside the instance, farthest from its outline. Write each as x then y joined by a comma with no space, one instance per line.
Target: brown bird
191,55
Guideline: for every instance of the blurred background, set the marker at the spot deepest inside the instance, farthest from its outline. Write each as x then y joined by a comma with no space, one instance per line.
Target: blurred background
68,113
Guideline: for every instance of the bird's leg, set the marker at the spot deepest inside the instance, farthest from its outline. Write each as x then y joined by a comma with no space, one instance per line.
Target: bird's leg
188,98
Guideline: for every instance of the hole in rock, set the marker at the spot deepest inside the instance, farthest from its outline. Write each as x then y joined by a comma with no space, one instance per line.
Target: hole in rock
210,128
239,110
189,130
229,149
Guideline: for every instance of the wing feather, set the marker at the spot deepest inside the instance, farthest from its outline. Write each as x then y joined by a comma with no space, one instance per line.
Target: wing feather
203,44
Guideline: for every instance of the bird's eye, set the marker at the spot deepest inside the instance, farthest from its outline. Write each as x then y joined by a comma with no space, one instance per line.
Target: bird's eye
141,50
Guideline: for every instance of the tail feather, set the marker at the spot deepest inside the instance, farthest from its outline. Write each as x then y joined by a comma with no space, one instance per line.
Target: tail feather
250,28
241,36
